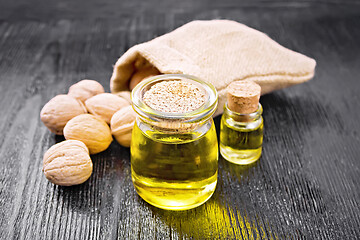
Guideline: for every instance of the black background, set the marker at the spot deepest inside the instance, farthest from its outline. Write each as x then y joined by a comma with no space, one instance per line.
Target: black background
306,184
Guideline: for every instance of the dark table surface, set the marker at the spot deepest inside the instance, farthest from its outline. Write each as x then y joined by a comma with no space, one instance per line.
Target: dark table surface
306,185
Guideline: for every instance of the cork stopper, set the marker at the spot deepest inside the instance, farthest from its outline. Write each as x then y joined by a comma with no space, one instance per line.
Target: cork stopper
243,96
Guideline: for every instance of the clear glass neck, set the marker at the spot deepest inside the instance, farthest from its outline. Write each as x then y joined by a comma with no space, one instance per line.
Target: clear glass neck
241,117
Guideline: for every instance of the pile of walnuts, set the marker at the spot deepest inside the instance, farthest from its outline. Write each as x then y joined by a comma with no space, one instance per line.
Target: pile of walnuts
83,117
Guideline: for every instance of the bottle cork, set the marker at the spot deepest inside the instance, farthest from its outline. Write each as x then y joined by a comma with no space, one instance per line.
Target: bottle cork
243,96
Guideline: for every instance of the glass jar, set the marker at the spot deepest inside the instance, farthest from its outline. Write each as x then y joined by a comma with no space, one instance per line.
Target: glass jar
241,136
174,156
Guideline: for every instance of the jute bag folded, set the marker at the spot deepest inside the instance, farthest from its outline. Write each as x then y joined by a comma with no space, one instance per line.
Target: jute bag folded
219,52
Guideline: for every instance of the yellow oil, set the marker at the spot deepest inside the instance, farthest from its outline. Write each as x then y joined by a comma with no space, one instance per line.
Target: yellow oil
241,142
174,171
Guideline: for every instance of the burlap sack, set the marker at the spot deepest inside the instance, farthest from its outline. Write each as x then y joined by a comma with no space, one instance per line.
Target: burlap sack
218,51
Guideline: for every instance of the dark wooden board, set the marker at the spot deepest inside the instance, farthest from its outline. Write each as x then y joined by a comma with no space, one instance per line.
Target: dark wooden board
306,185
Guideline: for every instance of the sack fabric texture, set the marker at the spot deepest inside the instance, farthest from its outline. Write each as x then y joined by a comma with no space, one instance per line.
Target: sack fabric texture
219,52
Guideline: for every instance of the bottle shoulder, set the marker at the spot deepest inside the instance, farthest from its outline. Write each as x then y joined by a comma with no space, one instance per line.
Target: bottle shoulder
251,125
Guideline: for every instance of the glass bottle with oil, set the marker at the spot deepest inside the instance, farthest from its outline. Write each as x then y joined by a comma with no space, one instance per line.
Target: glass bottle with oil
174,156
241,127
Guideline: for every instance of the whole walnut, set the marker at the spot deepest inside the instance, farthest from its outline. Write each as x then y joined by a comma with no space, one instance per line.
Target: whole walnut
91,130
85,89
59,110
141,74
67,163
105,105
125,95
122,124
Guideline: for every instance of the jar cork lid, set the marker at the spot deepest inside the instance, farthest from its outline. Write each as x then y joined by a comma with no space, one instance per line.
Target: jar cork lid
174,96
243,96
174,102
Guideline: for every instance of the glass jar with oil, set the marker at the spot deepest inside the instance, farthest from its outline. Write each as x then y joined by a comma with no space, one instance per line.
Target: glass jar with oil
241,127
174,150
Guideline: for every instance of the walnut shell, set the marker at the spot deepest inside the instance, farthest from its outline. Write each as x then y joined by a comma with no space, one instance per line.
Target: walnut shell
85,89
59,110
142,74
91,130
105,105
124,94
67,163
122,124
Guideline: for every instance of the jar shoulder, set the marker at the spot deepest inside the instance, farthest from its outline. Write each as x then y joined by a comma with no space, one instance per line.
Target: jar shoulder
175,135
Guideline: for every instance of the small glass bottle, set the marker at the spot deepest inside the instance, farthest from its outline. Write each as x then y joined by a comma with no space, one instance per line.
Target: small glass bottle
241,127
174,155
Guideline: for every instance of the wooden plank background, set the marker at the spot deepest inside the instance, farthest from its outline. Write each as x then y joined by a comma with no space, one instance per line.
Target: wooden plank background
306,185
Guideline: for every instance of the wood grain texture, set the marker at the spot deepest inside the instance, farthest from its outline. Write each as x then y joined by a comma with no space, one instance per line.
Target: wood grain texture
306,185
